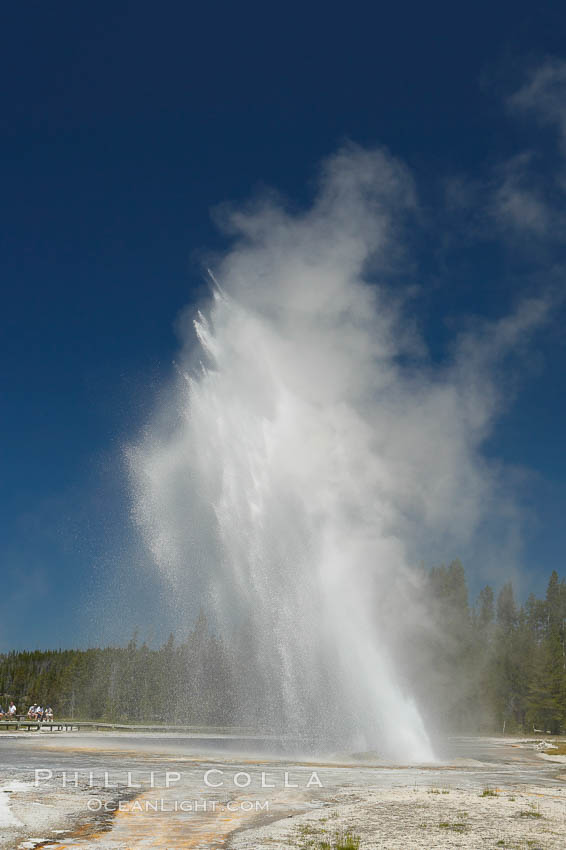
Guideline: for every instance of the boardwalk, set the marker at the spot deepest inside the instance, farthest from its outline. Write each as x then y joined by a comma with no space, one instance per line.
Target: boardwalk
193,731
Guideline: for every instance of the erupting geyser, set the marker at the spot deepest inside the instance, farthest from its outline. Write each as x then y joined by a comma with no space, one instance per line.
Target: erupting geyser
303,447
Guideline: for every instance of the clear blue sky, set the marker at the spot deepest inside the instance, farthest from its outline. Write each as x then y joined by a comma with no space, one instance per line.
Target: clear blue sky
122,124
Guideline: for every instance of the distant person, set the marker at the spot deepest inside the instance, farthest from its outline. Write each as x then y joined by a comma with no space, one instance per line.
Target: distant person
39,713
12,709
32,711
1,711
49,713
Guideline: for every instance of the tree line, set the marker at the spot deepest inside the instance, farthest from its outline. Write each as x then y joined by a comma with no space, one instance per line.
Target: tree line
490,665
184,683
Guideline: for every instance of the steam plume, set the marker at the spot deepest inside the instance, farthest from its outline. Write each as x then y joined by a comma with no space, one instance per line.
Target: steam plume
310,448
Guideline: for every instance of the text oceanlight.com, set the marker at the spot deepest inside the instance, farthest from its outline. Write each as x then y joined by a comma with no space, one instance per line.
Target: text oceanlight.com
95,804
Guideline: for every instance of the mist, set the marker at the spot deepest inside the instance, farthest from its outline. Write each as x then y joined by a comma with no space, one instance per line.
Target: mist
310,453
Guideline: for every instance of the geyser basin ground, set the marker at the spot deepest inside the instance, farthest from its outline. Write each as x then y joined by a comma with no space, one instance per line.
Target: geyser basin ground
152,791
